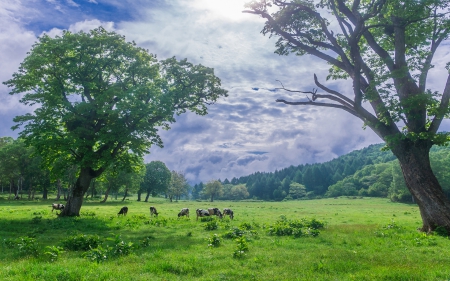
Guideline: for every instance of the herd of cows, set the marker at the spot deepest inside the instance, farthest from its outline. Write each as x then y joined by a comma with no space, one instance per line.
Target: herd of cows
184,212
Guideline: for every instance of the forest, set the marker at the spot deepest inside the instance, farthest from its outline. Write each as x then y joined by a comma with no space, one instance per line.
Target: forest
369,172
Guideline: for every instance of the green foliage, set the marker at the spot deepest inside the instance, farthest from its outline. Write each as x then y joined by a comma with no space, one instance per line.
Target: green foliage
214,240
98,254
147,241
296,228
81,242
241,247
120,248
53,252
211,225
26,246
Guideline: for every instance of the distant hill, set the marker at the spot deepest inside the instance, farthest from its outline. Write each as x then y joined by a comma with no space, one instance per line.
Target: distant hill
365,172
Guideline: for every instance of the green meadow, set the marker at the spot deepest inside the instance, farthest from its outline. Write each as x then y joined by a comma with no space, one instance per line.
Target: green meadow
361,239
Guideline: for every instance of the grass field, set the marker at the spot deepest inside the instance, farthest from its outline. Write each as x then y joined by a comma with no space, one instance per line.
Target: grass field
363,239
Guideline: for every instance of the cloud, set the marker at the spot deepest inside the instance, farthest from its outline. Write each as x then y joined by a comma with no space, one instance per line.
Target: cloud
242,134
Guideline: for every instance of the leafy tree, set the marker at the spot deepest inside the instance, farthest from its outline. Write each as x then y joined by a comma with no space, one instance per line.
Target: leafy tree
297,190
101,98
178,186
156,180
197,190
239,192
386,48
213,189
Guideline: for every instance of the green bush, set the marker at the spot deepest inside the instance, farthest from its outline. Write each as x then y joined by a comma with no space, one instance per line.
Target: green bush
27,246
296,228
214,240
96,254
241,247
53,252
81,242
211,225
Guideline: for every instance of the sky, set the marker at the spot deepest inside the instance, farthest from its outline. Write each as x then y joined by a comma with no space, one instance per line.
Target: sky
243,133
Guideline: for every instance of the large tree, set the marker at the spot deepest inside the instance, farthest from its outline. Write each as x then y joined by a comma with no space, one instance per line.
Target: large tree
386,48
100,98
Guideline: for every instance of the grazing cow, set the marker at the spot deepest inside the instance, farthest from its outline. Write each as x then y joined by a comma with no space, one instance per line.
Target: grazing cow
56,206
202,213
229,212
184,212
153,211
215,211
123,211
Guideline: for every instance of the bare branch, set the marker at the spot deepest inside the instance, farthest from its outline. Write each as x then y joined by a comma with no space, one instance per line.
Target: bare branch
319,104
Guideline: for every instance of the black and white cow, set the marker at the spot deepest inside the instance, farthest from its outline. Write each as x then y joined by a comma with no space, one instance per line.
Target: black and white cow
229,212
123,211
202,213
153,211
56,206
184,212
215,211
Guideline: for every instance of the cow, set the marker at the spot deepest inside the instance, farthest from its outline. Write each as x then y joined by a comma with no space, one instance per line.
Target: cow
153,211
229,212
202,213
215,211
184,212
57,206
123,211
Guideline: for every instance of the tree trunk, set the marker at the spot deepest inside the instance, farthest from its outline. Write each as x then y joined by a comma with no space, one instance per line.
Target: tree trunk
125,195
139,195
106,194
212,198
59,187
45,193
423,185
93,189
147,196
76,195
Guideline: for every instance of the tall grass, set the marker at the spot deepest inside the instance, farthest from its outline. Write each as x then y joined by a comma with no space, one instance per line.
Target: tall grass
363,239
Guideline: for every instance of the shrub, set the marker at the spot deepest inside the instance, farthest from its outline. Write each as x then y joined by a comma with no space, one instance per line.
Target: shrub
211,225
27,246
241,247
296,228
120,248
53,252
214,240
96,254
81,242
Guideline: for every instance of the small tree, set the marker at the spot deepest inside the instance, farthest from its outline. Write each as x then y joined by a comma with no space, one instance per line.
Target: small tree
297,190
102,98
213,189
178,186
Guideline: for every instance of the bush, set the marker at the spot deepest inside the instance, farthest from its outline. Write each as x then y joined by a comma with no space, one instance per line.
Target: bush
296,228
214,240
27,246
211,225
81,242
241,247
53,252
98,254
120,248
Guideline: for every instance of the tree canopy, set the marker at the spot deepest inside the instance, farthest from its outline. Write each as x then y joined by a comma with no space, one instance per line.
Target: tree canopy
101,98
